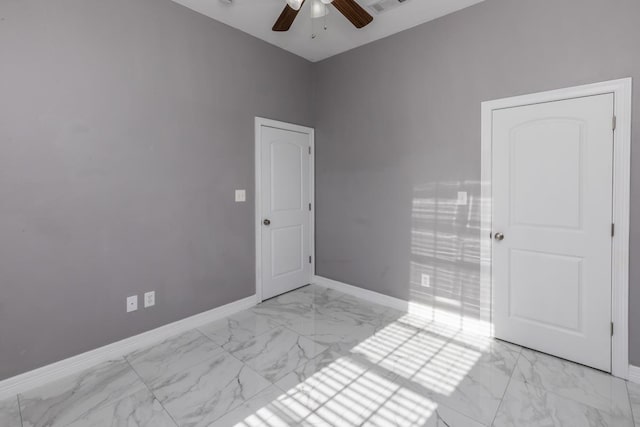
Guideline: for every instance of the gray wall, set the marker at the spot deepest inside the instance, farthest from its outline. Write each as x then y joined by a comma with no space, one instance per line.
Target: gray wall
398,134
125,126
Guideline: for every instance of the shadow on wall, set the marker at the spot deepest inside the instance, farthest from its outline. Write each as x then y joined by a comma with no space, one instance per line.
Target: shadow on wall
445,279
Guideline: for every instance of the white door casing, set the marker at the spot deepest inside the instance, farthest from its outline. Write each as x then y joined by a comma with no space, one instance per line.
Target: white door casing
284,219
552,200
620,92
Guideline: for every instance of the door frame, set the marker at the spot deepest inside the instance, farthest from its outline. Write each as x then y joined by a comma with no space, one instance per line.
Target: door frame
622,91
259,123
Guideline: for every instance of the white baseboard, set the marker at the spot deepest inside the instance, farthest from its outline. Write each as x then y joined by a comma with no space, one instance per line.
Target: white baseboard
474,325
364,294
478,326
32,379
634,374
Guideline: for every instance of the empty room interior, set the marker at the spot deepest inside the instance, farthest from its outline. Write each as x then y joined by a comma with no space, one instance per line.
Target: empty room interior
268,213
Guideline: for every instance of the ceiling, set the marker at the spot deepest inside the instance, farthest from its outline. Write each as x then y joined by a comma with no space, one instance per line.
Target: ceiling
256,17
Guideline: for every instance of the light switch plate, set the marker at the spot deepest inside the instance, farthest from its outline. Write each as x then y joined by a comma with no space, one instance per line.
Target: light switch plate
241,196
462,198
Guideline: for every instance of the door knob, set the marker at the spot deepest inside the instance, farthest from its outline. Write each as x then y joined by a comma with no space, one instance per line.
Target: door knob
266,222
499,237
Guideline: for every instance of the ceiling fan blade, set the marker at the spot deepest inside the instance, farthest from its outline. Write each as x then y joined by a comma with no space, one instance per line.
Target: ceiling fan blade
286,18
353,12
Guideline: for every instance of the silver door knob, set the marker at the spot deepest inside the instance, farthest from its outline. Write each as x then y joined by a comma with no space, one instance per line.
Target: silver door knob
499,237
266,222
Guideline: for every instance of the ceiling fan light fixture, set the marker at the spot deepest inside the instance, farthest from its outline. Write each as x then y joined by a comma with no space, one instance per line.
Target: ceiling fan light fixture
295,4
351,10
319,9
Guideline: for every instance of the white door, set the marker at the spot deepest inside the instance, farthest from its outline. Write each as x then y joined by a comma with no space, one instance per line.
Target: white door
285,223
552,198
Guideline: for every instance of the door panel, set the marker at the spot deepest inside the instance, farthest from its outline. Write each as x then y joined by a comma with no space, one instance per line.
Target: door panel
559,188
286,176
534,277
285,168
287,250
552,198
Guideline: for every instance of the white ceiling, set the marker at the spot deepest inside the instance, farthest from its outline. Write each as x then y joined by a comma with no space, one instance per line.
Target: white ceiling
256,17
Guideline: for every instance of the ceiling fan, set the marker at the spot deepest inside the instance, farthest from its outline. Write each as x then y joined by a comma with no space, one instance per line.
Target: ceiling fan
349,8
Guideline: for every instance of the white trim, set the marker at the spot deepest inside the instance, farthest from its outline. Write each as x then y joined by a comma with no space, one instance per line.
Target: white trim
424,311
55,371
622,90
364,294
260,122
634,374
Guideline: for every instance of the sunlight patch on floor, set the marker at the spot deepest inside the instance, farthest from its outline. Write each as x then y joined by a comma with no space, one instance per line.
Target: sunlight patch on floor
392,378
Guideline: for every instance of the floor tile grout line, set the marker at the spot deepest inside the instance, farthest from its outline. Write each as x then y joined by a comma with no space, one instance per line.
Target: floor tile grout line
223,351
152,393
207,359
227,353
414,328
280,324
20,410
461,413
205,335
277,321
201,332
410,382
448,340
633,417
557,359
329,317
513,378
555,393
286,326
107,364
244,365
309,337
438,404
360,375
327,349
252,338
513,372
563,397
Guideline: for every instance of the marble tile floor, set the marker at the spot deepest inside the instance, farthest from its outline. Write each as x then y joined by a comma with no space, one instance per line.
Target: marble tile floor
317,357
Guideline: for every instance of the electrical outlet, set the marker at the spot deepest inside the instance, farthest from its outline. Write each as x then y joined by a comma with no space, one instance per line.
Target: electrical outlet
462,198
132,303
241,196
149,299
425,281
